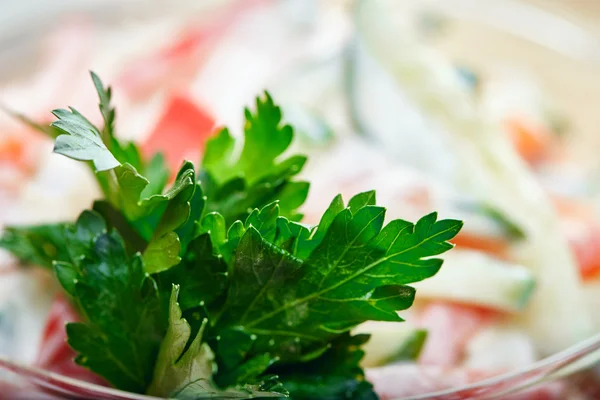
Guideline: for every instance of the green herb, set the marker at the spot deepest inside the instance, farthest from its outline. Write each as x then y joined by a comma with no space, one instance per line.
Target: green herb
256,177
212,287
124,322
334,375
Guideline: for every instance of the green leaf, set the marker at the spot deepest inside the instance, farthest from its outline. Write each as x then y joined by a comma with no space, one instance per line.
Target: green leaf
36,245
178,373
162,253
185,372
236,184
123,319
188,231
157,174
335,375
361,200
156,218
107,111
265,140
131,186
357,272
80,237
218,153
202,275
67,276
81,140
164,247
116,220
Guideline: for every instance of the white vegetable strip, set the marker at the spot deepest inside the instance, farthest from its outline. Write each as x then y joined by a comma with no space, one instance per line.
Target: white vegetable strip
475,278
556,317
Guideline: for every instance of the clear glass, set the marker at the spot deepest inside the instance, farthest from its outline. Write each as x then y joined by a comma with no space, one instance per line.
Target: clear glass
571,373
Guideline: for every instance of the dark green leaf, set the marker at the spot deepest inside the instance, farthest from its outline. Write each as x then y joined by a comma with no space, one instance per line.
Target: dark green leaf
201,274
356,273
124,323
115,220
336,375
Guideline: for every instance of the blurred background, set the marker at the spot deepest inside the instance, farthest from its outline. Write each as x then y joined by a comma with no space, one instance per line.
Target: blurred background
447,105
551,43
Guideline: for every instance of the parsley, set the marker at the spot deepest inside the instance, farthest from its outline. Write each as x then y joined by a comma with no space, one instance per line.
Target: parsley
257,176
81,140
212,287
124,321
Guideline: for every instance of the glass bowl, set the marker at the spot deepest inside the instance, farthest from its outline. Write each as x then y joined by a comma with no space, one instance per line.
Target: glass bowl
506,30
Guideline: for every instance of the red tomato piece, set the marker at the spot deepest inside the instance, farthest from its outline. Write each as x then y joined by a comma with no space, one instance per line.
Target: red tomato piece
532,141
449,328
497,246
582,229
180,133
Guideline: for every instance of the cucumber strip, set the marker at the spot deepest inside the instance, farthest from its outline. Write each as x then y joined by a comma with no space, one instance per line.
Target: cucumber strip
473,277
390,342
485,165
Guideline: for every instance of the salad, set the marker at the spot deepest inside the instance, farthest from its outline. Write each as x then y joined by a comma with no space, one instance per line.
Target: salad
152,246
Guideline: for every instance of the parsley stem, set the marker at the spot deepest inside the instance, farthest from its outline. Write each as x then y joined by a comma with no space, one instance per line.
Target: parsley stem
113,188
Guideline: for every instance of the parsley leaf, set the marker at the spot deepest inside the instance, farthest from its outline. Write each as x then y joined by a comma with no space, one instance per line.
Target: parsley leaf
50,131
178,371
107,111
204,272
356,273
260,294
265,140
123,319
256,177
185,370
291,290
82,140
335,375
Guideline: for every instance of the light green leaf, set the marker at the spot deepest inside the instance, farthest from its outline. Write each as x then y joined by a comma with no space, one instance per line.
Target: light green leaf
177,372
81,140
186,373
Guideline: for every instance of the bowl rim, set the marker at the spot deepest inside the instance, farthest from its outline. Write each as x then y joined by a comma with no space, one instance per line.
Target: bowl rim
492,387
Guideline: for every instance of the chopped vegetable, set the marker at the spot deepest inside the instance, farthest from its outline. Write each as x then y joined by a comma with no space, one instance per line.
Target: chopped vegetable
470,152
472,277
532,141
390,342
181,131
449,328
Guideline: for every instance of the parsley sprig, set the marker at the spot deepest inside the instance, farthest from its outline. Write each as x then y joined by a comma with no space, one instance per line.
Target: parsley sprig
212,286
